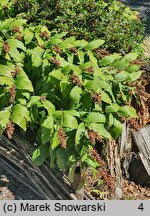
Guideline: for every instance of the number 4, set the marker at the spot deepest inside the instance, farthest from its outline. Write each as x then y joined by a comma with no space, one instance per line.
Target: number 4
141,207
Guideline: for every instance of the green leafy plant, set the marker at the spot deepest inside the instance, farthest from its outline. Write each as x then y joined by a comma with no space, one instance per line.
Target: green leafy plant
56,86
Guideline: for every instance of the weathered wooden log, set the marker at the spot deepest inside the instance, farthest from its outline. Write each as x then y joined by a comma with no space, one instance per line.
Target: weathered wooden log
49,183
116,150
142,140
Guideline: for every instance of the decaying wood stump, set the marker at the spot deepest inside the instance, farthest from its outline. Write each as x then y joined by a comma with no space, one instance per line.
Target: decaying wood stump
123,161
142,141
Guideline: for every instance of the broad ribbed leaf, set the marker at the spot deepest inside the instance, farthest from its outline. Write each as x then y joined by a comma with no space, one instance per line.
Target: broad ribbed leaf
5,70
14,52
94,44
28,35
116,128
133,68
75,96
134,76
93,59
97,84
20,116
22,82
4,118
69,121
62,159
37,56
109,59
130,56
6,81
65,88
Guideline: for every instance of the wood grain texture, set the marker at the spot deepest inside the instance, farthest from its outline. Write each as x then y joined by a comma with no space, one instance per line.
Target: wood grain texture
142,140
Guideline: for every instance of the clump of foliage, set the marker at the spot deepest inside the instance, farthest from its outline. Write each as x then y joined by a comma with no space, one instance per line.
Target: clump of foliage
60,90
111,20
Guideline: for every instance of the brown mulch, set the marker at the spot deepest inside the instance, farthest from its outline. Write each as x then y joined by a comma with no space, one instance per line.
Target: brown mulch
135,192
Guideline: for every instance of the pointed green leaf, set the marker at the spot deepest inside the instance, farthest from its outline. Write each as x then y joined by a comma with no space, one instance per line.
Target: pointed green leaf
55,141
133,68
122,76
33,100
134,76
40,155
112,108
95,118
46,127
127,111
4,118
69,121
116,129
80,131
14,52
49,107
105,97
93,59
107,60
130,56
92,163
28,35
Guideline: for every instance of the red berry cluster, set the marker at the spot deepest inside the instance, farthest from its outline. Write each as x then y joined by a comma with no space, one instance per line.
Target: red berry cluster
6,47
73,50
56,49
14,73
10,129
107,177
43,98
97,98
55,62
62,138
93,136
18,31
12,92
76,80
94,154
89,70
44,35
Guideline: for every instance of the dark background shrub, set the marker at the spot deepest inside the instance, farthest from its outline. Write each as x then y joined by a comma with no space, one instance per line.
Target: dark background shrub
110,20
